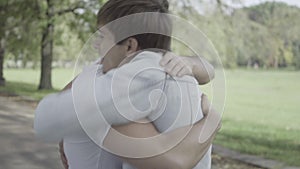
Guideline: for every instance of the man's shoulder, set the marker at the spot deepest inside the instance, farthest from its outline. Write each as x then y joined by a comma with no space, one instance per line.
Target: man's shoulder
145,61
144,66
148,55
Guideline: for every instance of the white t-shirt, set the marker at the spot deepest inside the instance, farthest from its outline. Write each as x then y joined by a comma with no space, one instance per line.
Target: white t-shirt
131,92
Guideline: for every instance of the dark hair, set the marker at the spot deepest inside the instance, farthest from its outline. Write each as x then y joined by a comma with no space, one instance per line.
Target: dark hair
115,9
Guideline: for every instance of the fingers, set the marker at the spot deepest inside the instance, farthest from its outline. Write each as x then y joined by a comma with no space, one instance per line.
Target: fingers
185,71
205,104
63,157
212,124
175,65
172,64
177,68
64,161
166,58
215,117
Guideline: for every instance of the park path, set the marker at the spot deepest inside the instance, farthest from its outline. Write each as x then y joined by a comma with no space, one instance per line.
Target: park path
18,147
20,150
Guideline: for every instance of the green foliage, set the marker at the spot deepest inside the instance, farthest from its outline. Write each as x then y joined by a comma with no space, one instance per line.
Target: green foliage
263,35
281,23
22,23
17,21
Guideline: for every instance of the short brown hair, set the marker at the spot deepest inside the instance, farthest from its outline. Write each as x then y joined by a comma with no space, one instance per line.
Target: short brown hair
114,9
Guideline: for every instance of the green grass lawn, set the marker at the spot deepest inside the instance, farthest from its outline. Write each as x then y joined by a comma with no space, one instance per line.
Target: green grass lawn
25,82
262,111
60,77
262,114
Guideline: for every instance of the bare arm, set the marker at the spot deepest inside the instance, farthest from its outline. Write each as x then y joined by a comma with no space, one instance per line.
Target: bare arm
185,155
202,70
195,66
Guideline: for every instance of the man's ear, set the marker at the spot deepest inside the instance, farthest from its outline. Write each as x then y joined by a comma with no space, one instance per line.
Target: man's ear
132,46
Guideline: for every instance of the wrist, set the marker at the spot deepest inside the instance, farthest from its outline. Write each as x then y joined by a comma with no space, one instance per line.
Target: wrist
191,64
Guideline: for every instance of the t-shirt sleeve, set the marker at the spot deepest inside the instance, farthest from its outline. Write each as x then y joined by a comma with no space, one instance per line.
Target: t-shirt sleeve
55,117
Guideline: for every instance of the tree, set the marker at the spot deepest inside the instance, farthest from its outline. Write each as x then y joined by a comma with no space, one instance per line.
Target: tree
2,52
19,19
87,12
47,41
11,21
296,51
3,11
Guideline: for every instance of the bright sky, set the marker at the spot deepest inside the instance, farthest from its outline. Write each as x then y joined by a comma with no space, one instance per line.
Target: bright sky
207,3
254,2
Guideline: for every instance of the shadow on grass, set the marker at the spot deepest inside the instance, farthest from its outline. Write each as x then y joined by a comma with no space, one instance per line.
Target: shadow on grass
24,89
264,141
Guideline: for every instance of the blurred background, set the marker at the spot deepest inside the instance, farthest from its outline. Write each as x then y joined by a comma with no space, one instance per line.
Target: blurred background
258,42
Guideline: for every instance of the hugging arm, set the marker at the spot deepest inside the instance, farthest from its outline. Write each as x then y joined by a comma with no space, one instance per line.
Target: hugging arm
195,66
202,70
186,154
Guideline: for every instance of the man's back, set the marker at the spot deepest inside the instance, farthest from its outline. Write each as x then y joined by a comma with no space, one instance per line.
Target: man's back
179,103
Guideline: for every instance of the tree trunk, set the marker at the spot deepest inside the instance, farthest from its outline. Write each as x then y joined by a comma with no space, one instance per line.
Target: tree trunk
276,63
2,53
47,51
